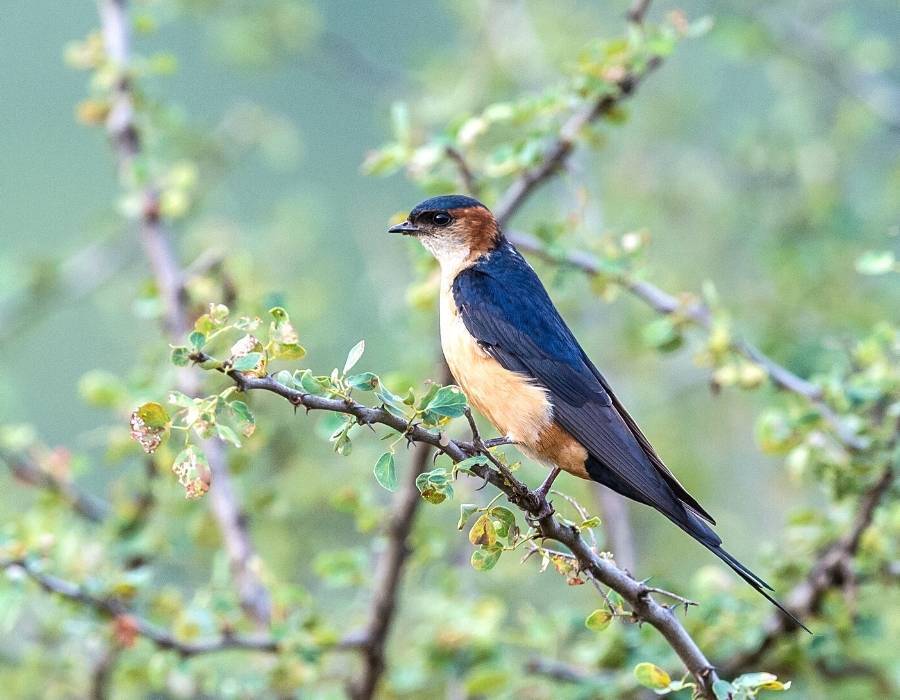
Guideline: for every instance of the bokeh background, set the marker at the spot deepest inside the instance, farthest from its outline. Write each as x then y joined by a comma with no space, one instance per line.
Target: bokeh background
763,157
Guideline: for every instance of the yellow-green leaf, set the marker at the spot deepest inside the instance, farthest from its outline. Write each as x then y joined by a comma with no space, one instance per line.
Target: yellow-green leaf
651,676
483,532
598,620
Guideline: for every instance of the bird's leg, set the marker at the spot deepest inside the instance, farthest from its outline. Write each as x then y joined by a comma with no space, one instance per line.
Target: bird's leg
542,490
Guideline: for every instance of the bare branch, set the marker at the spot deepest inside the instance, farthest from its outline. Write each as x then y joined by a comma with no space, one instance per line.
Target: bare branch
466,176
158,249
559,151
636,594
829,571
26,469
115,608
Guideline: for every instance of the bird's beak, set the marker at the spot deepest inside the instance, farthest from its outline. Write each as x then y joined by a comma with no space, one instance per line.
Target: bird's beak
405,228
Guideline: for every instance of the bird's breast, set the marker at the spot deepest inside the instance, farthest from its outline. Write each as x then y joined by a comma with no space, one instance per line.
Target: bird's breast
511,401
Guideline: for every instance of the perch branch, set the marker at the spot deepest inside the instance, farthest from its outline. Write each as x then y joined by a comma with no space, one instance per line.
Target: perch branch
535,507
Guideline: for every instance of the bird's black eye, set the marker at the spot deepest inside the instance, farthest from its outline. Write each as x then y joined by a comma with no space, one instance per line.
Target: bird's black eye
441,218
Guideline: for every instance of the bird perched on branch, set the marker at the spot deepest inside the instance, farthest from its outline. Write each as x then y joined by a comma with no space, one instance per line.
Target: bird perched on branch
520,365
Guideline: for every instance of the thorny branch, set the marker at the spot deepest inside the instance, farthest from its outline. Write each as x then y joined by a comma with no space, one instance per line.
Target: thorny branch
638,596
556,155
372,640
158,249
115,608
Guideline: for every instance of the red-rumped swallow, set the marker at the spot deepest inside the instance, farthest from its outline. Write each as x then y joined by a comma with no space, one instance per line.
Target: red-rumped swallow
520,366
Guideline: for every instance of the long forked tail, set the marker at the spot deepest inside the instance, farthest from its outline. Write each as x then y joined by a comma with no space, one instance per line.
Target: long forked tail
701,532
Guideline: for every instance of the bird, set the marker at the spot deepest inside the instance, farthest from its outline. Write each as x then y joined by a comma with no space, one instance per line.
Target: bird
519,365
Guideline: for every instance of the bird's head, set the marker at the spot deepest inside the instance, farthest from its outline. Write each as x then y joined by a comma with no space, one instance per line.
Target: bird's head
455,229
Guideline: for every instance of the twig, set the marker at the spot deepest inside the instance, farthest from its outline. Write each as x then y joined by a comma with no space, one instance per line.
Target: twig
25,468
469,181
372,641
637,11
115,608
558,153
157,245
635,593
566,673
829,571
102,672
699,314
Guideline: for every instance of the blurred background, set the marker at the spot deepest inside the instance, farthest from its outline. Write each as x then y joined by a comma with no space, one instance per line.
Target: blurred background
761,158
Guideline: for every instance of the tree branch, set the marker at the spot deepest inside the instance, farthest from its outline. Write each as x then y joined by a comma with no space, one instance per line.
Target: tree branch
115,608
558,153
373,639
535,507
158,249
830,570
26,469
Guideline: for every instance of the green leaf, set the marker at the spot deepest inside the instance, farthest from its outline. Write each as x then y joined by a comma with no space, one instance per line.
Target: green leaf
102,389
391,401
485,559
875,262
243,416
722,690
385,472
448,401
218,313
227,434
435,485
153,415
506,518
466,511
176,398
432,390
662,334
248,362
599,620
310,384
483,532
149,426
285,378
365,381
180,356
197,340
192,470
353,356
652,676
284,341
469,462
590,522
752,681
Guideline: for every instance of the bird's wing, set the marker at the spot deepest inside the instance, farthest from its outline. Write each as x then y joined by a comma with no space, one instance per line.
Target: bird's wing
507,310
